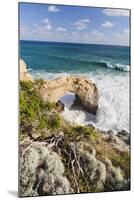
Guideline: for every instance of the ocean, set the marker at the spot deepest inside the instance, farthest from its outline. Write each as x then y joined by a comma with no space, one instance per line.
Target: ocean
106,65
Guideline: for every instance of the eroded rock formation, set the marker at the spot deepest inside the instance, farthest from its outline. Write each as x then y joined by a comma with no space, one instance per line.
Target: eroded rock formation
84,89
24,74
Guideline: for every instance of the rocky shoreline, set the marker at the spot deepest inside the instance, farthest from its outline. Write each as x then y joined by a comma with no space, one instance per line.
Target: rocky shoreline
58,158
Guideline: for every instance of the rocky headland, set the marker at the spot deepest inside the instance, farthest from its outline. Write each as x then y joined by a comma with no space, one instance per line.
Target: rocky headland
59,158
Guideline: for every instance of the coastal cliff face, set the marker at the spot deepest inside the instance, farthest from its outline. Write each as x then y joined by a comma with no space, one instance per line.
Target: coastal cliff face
24,74
59,158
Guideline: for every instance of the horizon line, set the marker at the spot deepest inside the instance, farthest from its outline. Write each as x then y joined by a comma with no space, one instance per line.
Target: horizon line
73,42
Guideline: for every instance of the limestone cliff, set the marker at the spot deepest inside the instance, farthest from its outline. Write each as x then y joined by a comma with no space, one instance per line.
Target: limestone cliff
24,74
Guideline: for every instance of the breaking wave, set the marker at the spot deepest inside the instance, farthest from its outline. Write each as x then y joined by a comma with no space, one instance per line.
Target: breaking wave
116,66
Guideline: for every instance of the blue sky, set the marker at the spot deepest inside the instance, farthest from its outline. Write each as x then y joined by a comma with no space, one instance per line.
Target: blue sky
44,22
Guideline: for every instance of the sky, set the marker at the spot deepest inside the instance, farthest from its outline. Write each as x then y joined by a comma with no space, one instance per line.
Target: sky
44,22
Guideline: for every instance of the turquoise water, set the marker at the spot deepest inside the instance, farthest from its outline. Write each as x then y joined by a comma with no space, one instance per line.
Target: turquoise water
65,57
108,66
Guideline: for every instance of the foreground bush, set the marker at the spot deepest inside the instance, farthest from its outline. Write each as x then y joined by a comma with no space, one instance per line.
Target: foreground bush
34,112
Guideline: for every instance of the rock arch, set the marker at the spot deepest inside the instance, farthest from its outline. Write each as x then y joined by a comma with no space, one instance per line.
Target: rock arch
53,90
83,88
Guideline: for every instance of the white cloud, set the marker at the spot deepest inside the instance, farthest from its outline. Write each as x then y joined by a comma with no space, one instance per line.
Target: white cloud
122,38
97,35
108,24
61,29
45,21
24,31
93,37
44,28
47,27
41,29
74,33
126,31
34,25
81,24
53,8
116,12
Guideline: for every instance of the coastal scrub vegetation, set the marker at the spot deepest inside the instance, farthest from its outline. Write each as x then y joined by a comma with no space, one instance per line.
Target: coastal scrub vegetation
34,112
39,83
92,162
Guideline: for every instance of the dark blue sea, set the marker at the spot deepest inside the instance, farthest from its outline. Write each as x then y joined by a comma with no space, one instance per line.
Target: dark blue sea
108,66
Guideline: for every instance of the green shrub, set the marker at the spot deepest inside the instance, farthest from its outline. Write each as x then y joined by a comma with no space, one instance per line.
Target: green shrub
78,132
39,83
54,121
26,85
48,106
30,102
50,121
43,122
122,160
34,112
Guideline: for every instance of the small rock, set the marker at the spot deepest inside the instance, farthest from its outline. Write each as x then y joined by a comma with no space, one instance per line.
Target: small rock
111,136
124,135
91,126
59,106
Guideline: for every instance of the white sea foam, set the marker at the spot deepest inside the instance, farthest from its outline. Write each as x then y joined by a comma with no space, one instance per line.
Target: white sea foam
113,112
47,75
30,70
122,67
